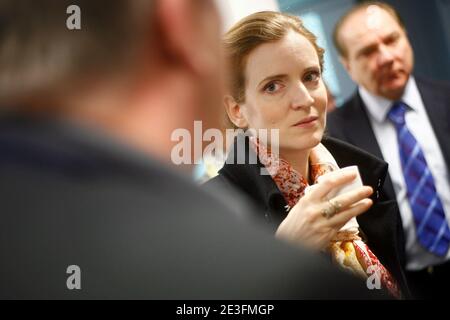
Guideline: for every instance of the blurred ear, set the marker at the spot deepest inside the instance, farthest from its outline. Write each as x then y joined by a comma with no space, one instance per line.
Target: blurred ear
182,27
345,63
234,111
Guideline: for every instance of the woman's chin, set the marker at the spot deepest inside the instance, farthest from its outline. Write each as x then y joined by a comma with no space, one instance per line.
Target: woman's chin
301,142
311,140
302,145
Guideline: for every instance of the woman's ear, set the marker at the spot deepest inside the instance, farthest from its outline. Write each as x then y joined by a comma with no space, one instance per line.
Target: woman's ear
234,112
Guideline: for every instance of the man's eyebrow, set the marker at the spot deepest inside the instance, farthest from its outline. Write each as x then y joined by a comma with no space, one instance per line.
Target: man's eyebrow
276,76
392,35
370,47
366,49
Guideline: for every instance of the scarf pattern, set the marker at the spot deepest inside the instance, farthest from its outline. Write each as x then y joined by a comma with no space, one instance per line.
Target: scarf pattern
347,248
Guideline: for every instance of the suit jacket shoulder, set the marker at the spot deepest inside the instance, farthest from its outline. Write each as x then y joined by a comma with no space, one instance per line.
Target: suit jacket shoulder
436,98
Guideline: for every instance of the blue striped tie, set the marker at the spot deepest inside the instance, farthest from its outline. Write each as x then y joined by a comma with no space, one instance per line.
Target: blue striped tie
432,229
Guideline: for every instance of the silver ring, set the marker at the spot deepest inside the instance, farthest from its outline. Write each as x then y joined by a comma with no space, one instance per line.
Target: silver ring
336,205
329,211
333,208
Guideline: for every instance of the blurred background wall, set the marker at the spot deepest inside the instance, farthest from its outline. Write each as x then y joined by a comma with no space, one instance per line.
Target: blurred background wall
427,21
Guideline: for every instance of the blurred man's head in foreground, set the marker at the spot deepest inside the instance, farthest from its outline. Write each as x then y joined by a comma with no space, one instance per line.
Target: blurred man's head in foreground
374,48
138,69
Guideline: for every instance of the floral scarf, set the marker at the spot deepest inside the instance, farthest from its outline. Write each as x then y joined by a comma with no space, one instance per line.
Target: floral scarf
347,249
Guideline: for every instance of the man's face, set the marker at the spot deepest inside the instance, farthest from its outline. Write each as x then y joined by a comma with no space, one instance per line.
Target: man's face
379,55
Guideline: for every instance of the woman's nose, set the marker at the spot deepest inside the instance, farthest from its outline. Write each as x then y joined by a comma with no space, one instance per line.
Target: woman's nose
301,97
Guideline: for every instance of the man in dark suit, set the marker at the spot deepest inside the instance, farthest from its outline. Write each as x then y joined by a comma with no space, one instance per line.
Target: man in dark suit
405,120
89,206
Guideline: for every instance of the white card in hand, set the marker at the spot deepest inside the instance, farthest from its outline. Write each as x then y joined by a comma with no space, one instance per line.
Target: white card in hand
355,183
352,224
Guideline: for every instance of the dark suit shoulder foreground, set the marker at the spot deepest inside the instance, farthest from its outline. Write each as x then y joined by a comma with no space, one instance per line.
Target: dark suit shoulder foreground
380,224
134,229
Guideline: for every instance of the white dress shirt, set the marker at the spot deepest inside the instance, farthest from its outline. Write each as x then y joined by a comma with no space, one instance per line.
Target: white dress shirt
419,125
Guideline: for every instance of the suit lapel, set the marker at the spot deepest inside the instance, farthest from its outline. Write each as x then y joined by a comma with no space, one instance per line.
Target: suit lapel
360,133
437,105
360,129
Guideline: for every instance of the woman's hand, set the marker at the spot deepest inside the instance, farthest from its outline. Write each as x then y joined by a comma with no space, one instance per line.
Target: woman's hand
306,224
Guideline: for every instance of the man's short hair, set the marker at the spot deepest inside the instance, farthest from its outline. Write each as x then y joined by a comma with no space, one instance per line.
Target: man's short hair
389,9
39,54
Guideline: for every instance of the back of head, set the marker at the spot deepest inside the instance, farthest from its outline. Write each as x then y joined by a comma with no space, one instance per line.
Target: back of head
41,55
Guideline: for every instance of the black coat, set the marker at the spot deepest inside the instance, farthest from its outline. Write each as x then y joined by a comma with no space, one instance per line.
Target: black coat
380,224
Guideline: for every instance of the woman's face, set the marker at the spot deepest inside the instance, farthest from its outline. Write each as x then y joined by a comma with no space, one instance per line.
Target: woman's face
284,90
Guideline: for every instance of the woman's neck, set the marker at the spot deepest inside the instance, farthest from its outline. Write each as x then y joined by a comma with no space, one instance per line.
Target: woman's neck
299,161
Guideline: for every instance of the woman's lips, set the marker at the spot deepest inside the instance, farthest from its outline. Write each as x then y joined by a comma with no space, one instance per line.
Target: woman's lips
308,121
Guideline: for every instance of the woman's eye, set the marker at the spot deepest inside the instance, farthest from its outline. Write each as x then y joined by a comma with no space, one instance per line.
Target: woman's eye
272,87
312,76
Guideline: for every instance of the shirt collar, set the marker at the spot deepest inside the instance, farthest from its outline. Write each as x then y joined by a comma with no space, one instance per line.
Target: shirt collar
378,107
